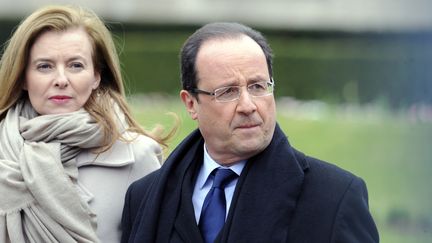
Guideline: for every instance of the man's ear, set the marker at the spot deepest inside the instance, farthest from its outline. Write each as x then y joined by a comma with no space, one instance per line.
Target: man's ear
189,101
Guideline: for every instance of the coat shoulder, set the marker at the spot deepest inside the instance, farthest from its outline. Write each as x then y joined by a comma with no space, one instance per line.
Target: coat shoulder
328,184
333,203
327,174
147,155
144,146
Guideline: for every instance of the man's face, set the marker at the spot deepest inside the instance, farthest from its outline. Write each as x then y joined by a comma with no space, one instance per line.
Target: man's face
238,129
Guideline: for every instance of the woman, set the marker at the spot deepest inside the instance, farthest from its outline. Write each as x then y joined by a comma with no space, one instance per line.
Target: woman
69,146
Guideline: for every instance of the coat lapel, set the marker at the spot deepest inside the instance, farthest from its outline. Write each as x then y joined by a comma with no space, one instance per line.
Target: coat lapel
120,154
185,223
266,195
262,205
159,211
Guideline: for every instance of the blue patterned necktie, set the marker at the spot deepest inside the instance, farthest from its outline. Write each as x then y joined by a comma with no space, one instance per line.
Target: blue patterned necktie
214,208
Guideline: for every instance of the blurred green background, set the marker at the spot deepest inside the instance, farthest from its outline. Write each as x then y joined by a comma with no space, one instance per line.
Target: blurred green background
389,68
393,69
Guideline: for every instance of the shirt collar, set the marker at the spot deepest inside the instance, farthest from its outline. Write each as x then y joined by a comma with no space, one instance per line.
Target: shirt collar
210,164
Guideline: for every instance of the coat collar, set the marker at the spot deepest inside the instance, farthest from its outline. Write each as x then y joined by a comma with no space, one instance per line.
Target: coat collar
270,185
277,173
120,154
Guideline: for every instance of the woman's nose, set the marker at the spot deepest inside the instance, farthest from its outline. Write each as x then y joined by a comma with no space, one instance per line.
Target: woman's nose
61,79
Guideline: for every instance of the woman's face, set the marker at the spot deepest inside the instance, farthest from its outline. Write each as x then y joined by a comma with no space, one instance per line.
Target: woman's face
60,75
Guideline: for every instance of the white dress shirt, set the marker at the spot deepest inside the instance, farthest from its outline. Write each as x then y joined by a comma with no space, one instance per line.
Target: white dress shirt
204,183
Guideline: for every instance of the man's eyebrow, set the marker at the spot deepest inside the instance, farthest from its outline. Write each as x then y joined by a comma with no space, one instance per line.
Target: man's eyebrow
257,78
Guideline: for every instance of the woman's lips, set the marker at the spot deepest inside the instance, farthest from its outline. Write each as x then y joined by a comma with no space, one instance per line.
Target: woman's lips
60,99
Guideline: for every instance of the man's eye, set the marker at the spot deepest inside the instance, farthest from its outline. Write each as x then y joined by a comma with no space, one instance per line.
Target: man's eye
257,86
228,91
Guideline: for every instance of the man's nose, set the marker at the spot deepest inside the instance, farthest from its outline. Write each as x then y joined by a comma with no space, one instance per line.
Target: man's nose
246,103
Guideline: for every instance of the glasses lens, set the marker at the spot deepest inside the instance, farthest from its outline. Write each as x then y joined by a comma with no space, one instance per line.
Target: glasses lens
227,93
231,93
260,88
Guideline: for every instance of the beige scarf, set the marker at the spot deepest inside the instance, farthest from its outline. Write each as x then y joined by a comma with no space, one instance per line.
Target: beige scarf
39,197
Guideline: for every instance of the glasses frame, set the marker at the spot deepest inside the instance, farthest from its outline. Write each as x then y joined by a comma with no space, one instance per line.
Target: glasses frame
270,83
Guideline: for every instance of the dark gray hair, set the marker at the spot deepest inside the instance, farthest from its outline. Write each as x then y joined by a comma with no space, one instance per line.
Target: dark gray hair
210,31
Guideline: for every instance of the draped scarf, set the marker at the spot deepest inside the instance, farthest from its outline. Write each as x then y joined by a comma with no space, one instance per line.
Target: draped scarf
40,199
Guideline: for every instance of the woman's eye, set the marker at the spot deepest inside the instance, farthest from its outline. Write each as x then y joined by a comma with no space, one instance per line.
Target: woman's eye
43,66
77,65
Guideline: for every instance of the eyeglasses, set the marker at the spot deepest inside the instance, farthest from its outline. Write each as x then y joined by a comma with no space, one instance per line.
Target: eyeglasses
231,93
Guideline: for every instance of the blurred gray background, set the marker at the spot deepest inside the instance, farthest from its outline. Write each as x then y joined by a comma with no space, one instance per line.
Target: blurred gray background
347,15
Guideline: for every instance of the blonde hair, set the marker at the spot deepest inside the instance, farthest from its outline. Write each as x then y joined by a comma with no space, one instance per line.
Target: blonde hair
105,58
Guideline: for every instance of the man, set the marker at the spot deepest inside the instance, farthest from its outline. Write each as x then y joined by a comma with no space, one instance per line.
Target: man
269,191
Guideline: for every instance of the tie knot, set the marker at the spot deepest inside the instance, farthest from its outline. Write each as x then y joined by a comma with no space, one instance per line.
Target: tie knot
223,177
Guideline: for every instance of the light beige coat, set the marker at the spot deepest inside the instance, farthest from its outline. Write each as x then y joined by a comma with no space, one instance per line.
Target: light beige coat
104,180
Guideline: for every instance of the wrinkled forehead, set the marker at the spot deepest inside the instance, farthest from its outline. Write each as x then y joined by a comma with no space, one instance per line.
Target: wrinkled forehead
231,60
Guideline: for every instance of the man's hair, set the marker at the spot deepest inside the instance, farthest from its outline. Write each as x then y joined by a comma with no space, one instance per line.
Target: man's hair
212,31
